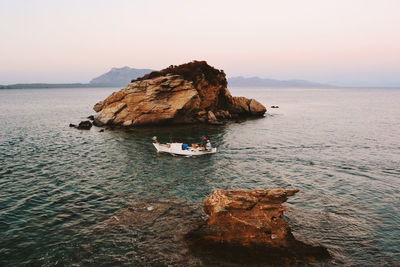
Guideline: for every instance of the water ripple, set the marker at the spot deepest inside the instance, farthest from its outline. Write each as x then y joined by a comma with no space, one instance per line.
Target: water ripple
58,184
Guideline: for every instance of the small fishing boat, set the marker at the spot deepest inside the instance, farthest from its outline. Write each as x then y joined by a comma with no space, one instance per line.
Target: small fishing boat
182,149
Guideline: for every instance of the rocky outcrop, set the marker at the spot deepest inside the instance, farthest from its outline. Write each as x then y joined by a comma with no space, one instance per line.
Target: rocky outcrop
164,232
189,93
247,217
250,223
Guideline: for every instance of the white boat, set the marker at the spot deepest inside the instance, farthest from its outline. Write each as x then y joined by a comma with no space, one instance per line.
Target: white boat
182,149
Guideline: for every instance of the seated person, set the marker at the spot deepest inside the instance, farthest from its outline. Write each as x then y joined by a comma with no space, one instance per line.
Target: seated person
208,145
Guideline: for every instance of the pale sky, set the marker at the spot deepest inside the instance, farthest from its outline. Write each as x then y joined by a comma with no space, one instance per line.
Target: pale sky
347,42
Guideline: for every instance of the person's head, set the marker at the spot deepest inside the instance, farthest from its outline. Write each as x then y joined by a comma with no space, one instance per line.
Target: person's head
208,141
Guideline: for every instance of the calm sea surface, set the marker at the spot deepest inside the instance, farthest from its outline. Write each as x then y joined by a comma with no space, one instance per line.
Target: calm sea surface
340,147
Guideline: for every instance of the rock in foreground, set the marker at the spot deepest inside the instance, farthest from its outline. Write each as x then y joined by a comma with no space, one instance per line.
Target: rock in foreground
248,225
189,93
248,217
162,232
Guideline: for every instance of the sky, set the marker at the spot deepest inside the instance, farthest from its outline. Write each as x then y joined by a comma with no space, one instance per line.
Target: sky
342,42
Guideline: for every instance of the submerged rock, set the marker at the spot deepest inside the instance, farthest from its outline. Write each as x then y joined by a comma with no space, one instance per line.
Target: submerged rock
189,93
162,232
85,125
154,230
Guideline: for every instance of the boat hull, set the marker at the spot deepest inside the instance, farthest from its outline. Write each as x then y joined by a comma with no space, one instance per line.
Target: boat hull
176,149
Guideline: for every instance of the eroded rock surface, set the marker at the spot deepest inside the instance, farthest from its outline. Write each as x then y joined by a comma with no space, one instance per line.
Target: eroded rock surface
248,217
248,225
238,231
189,93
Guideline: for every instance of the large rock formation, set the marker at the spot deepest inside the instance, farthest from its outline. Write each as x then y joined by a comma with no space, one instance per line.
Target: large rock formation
249,225
162,232
189,93
247,217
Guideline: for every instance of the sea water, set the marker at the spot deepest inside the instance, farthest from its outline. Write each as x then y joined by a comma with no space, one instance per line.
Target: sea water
340,147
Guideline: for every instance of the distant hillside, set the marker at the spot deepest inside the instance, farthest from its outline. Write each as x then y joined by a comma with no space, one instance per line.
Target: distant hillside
259,82
119,76
51,85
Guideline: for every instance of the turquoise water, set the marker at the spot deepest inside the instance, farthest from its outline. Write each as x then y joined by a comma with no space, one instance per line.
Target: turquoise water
340,147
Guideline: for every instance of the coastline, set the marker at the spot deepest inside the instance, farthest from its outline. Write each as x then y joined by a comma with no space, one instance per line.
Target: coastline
105,85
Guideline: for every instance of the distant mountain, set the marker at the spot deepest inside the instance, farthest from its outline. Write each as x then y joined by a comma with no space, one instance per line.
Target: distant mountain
259,82
123,76
119,76
54,85
47,85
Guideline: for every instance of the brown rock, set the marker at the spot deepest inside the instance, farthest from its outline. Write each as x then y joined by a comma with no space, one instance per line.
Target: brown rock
248,217
98,106
222,114
201,113
249,107
256,108
211,116
109,113
240,105
178,94
247,225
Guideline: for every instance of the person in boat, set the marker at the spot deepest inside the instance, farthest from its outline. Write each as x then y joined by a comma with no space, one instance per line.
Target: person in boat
208,145
204,142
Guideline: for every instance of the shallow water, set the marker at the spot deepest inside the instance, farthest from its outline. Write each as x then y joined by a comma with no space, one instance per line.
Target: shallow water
340,147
